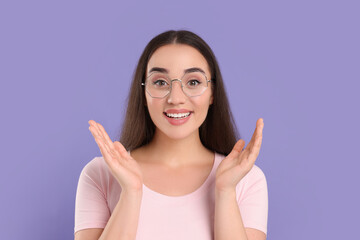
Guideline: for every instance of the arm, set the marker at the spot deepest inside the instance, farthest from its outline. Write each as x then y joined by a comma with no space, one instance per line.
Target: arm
228,221
122,223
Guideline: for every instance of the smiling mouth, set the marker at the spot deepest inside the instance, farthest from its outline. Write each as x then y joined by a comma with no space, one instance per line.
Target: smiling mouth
177,115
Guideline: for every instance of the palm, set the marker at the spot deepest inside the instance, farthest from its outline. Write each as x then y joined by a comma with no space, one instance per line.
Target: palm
124,168
239,162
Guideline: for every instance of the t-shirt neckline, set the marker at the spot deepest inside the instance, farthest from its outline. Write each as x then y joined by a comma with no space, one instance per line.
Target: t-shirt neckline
195,194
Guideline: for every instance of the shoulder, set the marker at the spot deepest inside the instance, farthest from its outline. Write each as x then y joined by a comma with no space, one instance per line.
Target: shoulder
95,166
255,174
95,163
252,197
255,178
96,172
253,186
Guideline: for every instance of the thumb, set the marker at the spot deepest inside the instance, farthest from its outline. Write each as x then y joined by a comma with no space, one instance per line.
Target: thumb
120,147
238,147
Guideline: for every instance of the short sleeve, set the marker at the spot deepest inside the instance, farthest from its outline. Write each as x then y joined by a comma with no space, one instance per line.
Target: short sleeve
91,209
253,200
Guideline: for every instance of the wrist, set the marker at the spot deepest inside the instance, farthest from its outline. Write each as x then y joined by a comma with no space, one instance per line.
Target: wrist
225,194
132,193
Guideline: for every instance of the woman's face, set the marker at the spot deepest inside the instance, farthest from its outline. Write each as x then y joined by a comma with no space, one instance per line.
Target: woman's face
175,59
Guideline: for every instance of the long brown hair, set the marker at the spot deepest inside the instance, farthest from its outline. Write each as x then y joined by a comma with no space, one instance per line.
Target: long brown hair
217,133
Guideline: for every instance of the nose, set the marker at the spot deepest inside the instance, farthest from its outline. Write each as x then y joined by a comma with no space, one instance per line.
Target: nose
176,95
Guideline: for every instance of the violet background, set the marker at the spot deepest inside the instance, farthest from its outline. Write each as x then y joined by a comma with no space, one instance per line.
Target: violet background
293,63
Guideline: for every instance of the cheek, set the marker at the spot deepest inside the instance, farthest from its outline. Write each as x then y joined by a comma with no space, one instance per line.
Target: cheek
154,107
202,109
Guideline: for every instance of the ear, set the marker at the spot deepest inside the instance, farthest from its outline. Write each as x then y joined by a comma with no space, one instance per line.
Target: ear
211,99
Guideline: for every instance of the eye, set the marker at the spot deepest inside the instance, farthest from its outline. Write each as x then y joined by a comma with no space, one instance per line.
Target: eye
193,83
160,83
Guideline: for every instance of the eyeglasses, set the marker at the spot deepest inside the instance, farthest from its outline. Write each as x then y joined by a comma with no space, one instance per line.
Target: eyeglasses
159,84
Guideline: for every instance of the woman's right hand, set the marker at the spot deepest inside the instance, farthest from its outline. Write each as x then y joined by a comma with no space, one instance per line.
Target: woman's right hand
123,167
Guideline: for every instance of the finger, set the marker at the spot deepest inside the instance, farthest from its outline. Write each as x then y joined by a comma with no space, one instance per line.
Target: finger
104,151
245,153
259,122
91,122
252,150
100,139
95,127
105,136
95,132
255,150
120,147
108,144
238,147
122,150
252,138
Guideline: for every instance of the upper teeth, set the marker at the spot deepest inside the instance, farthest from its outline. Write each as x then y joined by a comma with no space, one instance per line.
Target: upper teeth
178,115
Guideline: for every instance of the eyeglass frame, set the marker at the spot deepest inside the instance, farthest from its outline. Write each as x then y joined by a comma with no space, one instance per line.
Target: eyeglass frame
176,79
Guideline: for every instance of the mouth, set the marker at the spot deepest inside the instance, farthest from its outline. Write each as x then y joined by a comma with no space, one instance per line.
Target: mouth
177,115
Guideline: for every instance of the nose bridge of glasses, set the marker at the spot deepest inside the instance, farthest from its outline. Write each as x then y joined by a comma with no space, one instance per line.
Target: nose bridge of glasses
176,80
173,89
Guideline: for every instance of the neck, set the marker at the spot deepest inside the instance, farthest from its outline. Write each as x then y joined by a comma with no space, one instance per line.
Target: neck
176,152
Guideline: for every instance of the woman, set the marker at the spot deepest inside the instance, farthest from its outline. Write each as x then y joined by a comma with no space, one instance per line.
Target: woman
183,175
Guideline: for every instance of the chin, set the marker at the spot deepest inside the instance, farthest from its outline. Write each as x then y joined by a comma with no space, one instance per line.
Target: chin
178,134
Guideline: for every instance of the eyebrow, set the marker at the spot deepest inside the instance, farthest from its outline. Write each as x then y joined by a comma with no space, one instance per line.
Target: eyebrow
188,70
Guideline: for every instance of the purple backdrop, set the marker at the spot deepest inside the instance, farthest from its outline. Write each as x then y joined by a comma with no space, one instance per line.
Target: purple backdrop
296,64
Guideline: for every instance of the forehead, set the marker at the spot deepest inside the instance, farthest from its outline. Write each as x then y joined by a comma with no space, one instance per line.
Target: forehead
176,58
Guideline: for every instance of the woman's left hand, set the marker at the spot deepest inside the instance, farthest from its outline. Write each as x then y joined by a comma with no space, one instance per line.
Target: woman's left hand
239,162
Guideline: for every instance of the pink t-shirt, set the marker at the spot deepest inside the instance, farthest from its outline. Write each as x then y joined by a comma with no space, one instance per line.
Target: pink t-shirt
189,216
